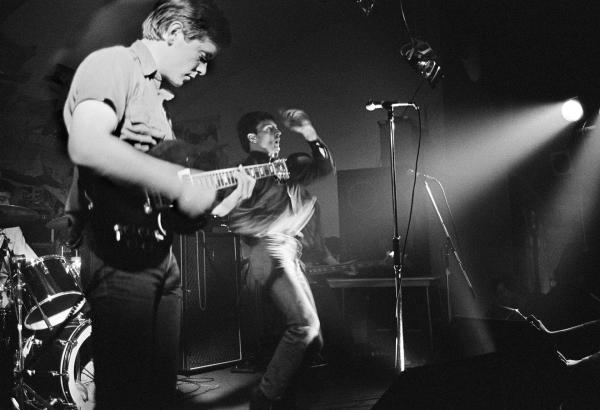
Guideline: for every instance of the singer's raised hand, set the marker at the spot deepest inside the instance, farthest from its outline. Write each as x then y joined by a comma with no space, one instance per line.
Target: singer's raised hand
298,121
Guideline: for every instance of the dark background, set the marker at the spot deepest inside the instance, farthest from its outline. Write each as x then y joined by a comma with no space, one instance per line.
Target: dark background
329,57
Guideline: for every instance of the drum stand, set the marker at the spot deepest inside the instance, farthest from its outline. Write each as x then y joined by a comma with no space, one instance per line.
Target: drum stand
23,393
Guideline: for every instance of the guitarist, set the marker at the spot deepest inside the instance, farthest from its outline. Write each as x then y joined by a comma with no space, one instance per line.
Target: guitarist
270,222
117,96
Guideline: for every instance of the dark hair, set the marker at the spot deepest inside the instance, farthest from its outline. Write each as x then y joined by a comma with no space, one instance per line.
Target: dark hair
248,124
6,186
200,18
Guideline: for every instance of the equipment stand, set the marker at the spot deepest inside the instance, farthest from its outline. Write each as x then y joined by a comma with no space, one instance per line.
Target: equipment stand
23,394
449,247
399,348
389,107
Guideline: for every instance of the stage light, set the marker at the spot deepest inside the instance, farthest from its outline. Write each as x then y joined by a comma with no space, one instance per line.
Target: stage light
572,110
423,59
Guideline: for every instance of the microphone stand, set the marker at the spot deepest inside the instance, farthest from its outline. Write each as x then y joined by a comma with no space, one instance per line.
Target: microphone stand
399,360
449,247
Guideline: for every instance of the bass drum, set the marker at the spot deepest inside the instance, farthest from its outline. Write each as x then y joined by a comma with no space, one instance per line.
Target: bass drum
63,373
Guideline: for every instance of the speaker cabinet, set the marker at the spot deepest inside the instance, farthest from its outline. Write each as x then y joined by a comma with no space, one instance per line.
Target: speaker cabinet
492,382
210,329
520,370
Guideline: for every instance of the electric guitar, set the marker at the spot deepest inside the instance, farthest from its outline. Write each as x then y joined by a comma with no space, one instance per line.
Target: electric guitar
132,227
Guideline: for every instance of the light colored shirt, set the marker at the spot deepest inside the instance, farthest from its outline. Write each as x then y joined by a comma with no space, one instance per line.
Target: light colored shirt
125,78
17,243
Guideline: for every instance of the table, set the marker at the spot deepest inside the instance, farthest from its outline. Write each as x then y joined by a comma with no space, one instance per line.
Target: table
425,282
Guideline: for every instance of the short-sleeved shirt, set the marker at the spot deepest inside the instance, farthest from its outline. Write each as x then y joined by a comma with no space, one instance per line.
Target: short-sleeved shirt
127,79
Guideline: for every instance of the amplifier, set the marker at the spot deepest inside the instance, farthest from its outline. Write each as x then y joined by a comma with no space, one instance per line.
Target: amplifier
210,279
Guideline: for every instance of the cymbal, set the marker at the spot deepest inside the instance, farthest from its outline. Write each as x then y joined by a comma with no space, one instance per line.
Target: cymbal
58,223
14,215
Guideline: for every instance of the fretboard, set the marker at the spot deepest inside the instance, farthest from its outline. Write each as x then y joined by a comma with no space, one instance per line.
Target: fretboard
225,178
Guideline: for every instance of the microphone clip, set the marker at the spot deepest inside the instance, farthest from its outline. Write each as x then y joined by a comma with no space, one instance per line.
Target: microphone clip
388,105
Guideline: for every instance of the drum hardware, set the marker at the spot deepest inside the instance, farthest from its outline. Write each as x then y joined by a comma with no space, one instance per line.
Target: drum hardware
63,342
52,373
13,215
68,368
21,390
63,373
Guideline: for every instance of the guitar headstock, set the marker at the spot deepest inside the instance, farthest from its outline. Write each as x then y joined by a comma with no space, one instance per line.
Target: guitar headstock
280,169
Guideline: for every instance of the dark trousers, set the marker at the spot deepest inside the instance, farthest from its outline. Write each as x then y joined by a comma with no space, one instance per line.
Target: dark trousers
135,333
274,265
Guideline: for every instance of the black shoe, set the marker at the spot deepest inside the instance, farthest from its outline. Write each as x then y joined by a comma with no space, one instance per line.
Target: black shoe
258,401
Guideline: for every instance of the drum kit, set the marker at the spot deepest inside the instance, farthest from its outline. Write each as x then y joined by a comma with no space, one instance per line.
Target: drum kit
44,329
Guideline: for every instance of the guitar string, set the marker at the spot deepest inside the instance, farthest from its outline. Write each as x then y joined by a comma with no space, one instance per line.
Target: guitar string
224,178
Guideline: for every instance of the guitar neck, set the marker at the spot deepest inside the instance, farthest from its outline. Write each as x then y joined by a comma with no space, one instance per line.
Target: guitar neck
225,178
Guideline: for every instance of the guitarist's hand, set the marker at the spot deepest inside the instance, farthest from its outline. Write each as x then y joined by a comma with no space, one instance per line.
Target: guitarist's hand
194,201
140,135
243,191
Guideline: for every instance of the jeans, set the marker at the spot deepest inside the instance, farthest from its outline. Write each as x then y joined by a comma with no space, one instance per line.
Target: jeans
136,319
274,264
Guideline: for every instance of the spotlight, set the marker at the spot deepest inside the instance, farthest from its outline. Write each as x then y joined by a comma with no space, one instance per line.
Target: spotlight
572,110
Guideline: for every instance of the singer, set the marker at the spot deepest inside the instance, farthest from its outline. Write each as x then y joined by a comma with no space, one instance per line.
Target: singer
270,223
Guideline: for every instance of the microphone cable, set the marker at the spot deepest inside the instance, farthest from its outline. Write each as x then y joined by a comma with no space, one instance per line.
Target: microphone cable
414,183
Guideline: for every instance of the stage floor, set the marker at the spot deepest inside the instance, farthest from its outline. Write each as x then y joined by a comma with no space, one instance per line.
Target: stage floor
329,387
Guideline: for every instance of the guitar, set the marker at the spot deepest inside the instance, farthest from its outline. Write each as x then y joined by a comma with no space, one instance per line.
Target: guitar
133,228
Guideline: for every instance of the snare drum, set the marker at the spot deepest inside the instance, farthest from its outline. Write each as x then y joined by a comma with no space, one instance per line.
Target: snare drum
51,290
64,372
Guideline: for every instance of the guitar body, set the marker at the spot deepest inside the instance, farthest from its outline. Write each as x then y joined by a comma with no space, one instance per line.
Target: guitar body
123,219
124,227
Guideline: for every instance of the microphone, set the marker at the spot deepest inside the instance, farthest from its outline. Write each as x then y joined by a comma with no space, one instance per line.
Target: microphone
411,171
387,105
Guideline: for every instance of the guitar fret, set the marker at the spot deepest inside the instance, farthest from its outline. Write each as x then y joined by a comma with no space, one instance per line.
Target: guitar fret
226,177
